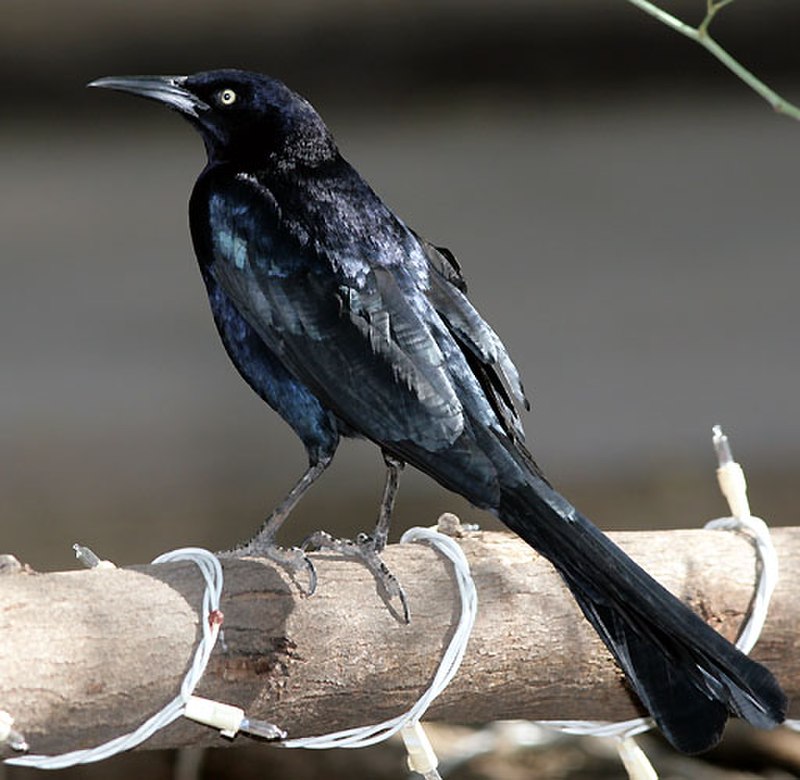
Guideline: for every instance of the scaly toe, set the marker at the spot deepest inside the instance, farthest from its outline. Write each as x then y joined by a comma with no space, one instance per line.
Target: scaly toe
292,559
365,549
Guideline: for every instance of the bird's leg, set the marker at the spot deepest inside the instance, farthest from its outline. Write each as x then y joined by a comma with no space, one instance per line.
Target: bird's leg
390,488
368,547
269,530
263,543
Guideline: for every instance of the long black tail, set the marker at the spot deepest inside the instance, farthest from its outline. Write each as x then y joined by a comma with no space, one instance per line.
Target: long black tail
687,675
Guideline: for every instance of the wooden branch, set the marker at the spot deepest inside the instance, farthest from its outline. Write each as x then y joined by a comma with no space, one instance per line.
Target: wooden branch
88,655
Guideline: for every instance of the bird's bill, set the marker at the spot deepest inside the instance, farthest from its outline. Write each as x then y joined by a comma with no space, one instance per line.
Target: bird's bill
168,90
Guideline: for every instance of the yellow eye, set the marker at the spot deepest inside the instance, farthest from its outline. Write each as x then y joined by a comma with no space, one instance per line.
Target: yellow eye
226,97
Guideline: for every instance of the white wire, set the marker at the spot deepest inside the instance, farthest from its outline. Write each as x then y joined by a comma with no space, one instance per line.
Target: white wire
600,728
363,736
212,573
758,531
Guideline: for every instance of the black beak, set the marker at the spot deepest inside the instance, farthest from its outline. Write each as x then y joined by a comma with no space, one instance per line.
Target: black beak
168,90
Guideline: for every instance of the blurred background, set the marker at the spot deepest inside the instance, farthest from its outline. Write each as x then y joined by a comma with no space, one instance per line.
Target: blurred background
624,210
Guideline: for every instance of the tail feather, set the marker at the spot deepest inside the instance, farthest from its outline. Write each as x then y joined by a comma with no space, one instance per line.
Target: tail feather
688,717
688,676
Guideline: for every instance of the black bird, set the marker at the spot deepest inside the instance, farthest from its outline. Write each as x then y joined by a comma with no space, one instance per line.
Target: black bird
348,323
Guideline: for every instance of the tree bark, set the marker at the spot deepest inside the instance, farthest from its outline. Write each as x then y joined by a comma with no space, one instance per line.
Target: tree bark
88,655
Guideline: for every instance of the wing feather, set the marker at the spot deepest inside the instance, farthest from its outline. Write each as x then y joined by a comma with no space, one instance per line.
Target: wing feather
358,344
482,347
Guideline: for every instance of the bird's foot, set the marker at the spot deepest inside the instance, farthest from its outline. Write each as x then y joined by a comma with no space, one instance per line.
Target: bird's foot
292,559
366,549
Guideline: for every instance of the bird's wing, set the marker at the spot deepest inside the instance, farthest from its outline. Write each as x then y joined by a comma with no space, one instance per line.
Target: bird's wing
359,342
482,347
445,263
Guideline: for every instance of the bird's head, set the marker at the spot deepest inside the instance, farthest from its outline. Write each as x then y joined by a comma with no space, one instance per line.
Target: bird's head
242,117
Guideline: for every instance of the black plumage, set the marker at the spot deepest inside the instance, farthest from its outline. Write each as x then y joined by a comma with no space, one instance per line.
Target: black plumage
348,323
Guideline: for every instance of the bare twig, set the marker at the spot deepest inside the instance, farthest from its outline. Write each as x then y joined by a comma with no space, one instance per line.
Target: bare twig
701,35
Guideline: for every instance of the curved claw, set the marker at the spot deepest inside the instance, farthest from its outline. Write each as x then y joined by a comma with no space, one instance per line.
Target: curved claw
311,570
292,560
406,612
392,589
365,549
403,601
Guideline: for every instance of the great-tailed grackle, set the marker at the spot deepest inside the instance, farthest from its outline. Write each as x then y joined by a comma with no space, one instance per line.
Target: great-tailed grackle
348,323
